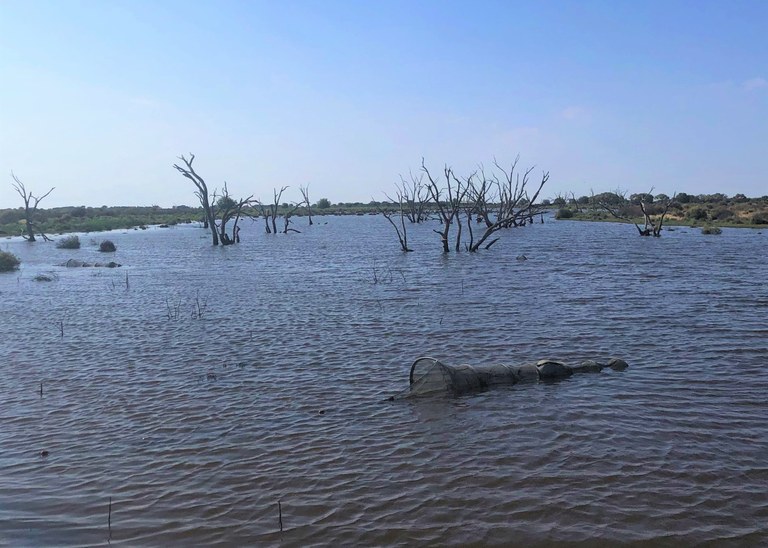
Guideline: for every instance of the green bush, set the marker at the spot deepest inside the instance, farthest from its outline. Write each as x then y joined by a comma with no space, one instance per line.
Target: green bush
722,214
107,246
698,213
8,261
759,218
70,242
711,230
564,214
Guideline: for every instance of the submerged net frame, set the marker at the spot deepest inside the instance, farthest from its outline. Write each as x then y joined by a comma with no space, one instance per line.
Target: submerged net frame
429,375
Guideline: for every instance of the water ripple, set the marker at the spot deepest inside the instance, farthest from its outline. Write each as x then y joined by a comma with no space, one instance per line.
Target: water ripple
196,428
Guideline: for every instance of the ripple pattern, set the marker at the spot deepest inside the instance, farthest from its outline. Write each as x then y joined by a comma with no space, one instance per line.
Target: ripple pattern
197,427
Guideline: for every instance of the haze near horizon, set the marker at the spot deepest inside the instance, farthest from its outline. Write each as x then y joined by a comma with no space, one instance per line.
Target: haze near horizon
101,97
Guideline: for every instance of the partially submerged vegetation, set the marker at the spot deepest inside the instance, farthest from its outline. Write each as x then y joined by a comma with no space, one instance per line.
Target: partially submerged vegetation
69,242
8,261
489,201
46,277
107,246
486,201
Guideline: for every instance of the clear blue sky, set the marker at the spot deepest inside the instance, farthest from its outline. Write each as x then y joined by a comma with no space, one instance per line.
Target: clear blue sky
99,97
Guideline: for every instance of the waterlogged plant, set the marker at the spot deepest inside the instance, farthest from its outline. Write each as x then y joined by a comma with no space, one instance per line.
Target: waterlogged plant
711,230
70,242
8,261
173,310
46,277
107,246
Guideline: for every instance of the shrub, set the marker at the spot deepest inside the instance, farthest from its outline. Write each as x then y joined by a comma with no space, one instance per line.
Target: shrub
698,213
721,214
107,246
711,230
8,261
759,218
70,242
47,277
564,214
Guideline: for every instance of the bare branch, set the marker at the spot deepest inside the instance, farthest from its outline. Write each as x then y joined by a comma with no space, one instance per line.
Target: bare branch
30,207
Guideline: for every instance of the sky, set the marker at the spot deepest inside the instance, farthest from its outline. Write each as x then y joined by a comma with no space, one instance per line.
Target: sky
100,97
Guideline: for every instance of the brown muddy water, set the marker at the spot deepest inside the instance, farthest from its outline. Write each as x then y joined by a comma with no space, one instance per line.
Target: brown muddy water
197,427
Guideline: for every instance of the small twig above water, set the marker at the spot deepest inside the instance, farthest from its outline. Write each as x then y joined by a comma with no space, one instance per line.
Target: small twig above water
199,307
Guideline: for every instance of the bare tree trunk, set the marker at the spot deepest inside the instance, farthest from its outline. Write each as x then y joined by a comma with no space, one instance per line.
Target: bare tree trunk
202,193
653,226
230,210
275,204
287,219
30,207
515,206
401,236
449,209
305,194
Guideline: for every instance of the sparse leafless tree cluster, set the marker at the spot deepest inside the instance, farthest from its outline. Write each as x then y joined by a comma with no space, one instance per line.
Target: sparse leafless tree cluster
414,197
229,209
497,199
269,211
220,208
30,208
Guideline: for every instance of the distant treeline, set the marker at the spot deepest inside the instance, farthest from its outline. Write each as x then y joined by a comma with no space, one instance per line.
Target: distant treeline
716,209
737,210
58,220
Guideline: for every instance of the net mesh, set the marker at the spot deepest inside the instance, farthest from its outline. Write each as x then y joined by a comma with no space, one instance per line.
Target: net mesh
431,376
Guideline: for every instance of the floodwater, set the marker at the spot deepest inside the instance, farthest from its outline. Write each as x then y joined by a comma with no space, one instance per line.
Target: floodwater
196,387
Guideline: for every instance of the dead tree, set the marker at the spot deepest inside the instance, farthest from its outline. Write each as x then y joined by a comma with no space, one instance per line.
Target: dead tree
402,235
413,198
620,209
266,212
287,218
305,194
229,209
501,201
202,194
448,201
270,211
654,224
30,208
